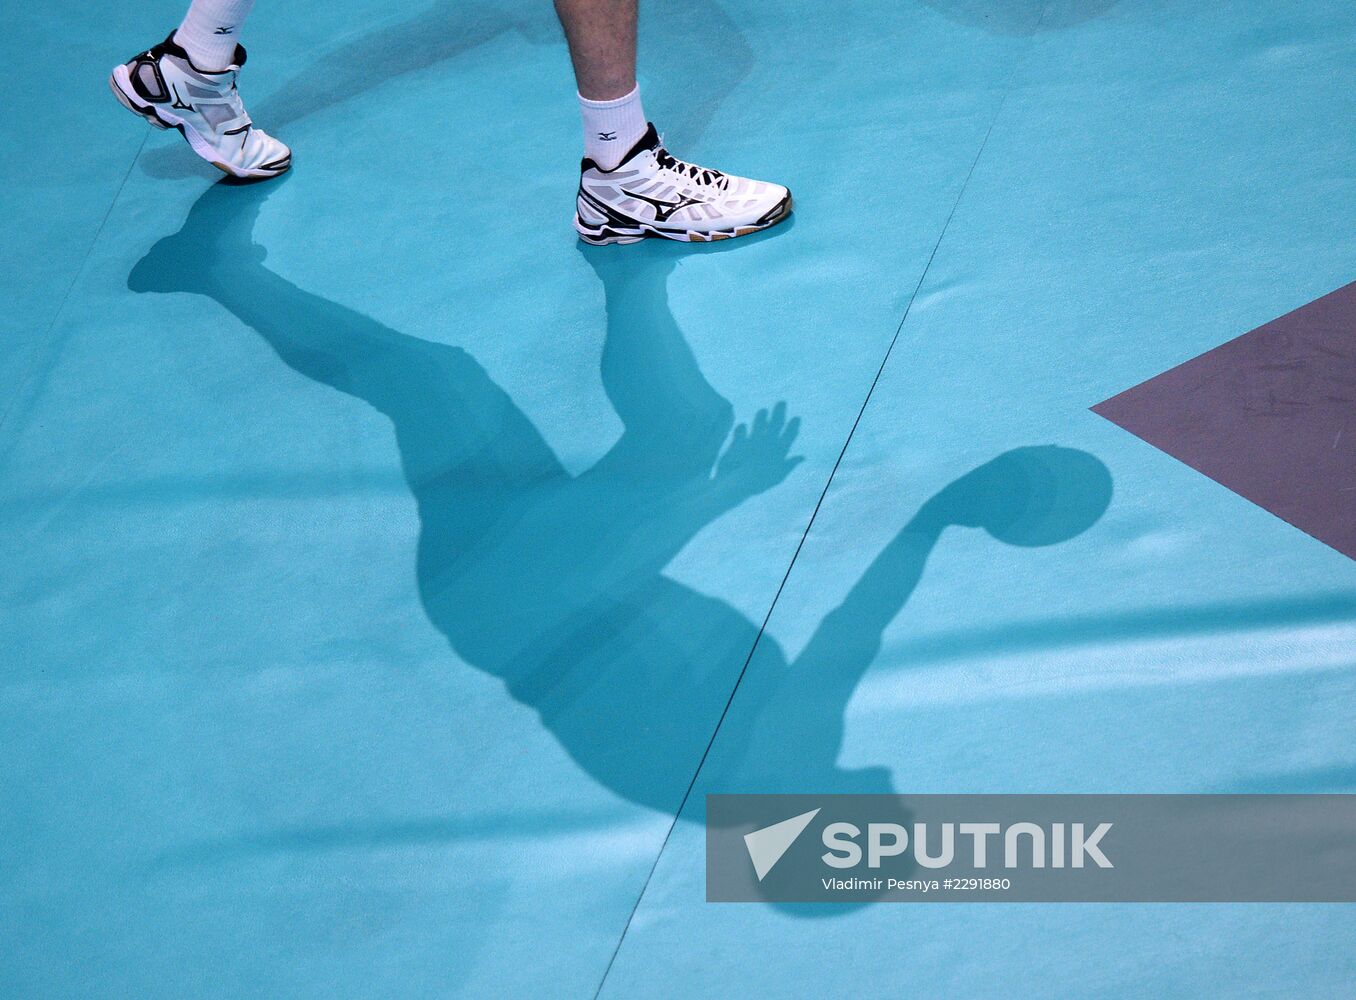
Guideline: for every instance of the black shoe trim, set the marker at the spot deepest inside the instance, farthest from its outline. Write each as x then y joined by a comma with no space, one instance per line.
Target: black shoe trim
782,208
172,48
139,85
650,140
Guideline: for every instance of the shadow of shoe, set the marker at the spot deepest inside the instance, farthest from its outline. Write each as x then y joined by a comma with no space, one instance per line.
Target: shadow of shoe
216,235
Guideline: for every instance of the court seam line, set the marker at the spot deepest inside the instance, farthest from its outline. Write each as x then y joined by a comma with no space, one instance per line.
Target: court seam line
35,372
814,514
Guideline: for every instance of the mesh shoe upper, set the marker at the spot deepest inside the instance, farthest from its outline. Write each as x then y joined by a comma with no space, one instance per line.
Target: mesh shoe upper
208,106
654,188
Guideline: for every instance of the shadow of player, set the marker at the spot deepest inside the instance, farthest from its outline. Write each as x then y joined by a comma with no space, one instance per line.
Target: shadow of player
555,583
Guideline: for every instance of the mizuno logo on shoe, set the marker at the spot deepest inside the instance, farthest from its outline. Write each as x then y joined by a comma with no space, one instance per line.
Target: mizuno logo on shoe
243,131
179,101
663,210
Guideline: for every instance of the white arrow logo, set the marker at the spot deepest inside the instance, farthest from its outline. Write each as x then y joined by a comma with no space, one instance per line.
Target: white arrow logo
766,846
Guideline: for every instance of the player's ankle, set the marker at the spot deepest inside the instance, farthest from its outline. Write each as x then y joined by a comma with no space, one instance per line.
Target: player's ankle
612,127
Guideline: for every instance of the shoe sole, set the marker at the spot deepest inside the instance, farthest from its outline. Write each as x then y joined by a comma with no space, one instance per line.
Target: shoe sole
606,234
120,83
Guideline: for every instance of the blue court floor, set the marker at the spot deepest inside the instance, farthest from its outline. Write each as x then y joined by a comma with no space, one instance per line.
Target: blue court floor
385,584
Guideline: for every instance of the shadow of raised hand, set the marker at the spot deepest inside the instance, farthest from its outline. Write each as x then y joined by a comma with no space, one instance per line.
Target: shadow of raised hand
758,457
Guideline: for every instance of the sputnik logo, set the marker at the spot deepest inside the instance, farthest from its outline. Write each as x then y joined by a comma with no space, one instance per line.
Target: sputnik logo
766,846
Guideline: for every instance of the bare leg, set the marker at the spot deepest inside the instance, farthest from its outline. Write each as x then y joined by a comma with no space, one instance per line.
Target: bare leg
602,39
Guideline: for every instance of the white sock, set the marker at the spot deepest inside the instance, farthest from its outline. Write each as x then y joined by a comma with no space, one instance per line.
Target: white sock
611,128
209,31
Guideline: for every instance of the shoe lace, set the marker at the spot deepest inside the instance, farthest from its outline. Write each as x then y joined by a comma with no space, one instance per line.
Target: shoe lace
702,175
